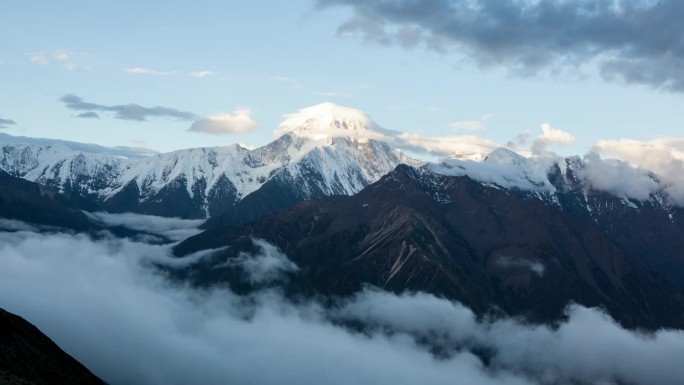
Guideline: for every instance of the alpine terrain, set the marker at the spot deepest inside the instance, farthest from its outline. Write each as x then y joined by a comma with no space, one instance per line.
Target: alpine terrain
323,150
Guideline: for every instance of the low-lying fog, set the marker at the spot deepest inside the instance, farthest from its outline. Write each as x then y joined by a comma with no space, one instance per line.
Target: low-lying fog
104,302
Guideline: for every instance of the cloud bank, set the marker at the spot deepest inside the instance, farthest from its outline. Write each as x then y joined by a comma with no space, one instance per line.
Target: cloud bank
662,156
635,41
106,304
175,229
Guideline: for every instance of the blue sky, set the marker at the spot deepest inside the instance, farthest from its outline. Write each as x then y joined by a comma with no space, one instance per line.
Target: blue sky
264,59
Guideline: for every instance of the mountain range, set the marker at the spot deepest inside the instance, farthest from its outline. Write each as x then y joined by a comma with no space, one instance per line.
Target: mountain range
206,182
498,232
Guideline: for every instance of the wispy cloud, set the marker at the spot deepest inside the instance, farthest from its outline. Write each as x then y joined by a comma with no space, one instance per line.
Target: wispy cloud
129,111
445,145
472,125
238,122
287,80
202,74
335,94
39,58
414,106
635,41
149,71
5,123
63,57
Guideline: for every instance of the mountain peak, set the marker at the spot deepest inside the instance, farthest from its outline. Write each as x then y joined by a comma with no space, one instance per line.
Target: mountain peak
503,155
327,120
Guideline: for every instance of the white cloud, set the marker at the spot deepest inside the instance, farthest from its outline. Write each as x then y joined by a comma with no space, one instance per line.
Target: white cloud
663,156
656,154
148,71
65,58
173,228
39,58
202,74
268,265
619,178
550,137
468,125
587,348
239,122
287,80
335,94
473,125
445,145
62,56
105,304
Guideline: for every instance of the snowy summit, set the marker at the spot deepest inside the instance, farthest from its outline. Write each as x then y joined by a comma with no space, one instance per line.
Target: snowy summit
328,120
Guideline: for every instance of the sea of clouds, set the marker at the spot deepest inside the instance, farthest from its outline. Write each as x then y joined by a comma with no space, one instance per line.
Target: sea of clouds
106,302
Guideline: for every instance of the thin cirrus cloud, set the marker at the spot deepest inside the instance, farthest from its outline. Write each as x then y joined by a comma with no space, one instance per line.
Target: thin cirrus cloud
468,125
635,41
287,80
238,122
62,57
153,72
472,125
202,74
149,71
334,94
39,58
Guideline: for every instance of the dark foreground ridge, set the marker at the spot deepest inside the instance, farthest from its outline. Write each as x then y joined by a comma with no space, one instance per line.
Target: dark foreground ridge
34,203
28,357
487,247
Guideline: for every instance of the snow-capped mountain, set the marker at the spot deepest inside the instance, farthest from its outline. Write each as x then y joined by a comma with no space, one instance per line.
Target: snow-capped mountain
553,179
323,150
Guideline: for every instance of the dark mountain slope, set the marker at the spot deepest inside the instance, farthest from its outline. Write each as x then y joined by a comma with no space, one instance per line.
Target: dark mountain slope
452,236
28,357
653,230
34,203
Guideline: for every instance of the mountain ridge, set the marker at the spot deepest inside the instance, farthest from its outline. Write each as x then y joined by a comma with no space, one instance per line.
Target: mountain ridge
204,182
484,246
